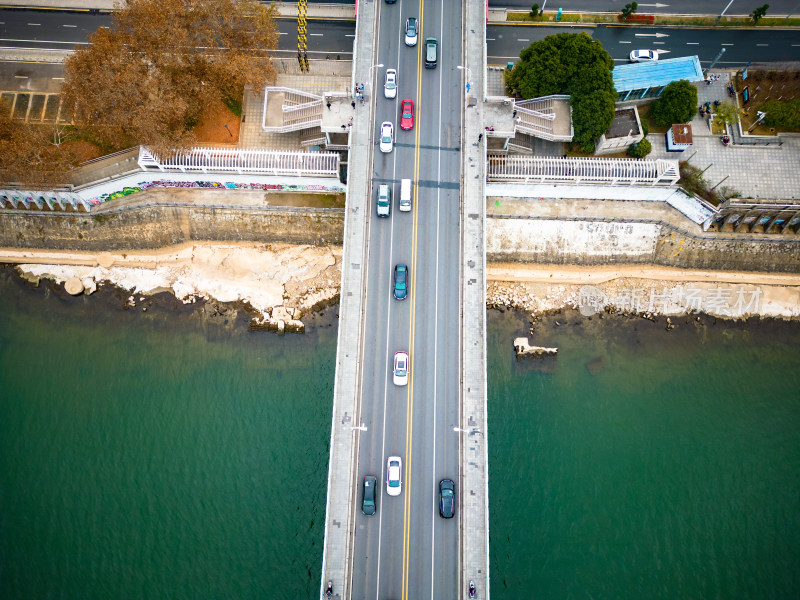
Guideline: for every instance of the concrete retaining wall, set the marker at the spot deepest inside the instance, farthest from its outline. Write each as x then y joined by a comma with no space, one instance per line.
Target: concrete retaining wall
594,242
158,226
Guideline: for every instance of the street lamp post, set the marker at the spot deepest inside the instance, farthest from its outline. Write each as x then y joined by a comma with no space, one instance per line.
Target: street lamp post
723,12
378,66
469,431
469,75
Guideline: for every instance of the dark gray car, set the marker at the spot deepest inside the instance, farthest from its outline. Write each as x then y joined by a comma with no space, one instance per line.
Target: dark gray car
447,498
368,498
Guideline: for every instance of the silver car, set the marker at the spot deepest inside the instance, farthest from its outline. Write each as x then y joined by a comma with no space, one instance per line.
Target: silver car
390,84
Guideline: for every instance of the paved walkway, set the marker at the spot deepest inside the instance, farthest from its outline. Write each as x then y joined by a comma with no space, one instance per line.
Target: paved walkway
324,76
763,173
474,451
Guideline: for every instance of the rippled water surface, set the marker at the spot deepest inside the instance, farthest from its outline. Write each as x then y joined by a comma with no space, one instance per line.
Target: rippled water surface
151,455
161,455
646,464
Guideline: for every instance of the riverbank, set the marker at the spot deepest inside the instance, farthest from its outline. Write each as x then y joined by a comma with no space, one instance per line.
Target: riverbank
276,282
647,290
284,282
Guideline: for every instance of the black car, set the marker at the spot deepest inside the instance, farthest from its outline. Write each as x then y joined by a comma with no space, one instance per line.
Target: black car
368,498
447,498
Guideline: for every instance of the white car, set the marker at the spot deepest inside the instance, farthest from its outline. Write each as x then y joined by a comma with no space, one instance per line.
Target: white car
411,32
643,55
400,373
394,469
390,85
387,136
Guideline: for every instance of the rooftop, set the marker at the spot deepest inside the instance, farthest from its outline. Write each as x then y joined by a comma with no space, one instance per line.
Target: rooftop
639,76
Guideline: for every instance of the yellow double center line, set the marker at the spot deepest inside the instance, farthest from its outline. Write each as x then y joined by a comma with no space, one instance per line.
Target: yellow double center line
415,207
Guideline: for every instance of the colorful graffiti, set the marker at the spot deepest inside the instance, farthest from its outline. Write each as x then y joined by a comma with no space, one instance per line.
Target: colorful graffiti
229,185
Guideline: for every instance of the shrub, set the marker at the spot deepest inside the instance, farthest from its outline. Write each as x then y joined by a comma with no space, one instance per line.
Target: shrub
640,150
785,115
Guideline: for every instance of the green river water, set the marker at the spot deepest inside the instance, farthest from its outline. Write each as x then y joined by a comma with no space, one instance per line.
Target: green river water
165,455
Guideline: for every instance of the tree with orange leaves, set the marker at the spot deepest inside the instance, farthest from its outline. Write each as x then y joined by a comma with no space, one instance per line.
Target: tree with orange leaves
146,79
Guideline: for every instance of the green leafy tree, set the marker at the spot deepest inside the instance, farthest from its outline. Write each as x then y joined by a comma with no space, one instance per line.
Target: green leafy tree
574,64
534,11
759,13
727,113
628,10
640,149
677,104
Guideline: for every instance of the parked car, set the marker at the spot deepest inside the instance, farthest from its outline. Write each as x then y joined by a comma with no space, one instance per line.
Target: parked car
644,55
387,136
447,498
390,84
411,31
400,371
407,114
394,468
368,497
400,282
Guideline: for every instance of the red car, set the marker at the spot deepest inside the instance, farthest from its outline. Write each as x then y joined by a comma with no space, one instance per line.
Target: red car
406,114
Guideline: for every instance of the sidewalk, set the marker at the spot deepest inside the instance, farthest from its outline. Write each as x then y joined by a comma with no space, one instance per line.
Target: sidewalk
759,172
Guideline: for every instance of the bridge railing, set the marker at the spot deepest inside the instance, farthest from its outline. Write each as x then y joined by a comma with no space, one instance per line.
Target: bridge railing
235,160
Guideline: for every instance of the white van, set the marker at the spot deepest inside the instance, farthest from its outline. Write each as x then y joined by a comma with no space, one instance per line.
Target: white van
405,195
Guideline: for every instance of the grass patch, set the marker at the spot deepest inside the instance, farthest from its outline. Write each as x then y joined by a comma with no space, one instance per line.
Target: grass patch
550,17
234,105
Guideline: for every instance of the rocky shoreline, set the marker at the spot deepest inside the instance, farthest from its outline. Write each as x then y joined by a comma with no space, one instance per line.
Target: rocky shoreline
278,285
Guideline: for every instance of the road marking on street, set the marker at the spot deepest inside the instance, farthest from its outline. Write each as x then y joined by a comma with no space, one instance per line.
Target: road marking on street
523,40
692,43
621,42
20,76
764,45
726,44
317,34
69,25
491,39
34,24
352,35
655,35
57,78
412,321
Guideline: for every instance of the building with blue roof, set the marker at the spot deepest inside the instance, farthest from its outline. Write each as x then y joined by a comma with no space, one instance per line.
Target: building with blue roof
638,81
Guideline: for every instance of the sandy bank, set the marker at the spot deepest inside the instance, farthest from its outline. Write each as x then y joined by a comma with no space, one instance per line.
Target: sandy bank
643,289
278,280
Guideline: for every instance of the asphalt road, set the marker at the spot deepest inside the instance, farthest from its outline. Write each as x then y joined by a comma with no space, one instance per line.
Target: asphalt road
406,550
505,42
333,38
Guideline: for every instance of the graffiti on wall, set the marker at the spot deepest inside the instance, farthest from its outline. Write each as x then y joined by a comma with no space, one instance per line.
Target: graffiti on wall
280,187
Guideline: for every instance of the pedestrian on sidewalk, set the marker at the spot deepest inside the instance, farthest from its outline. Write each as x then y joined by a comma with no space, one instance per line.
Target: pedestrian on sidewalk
480,137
